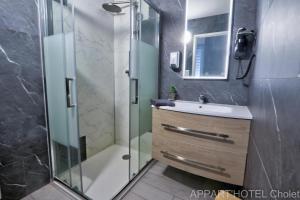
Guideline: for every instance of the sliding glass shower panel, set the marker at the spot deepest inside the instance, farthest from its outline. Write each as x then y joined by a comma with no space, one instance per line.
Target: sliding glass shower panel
134,109
57,107
72,112
148,89
148,75
143,83
59,64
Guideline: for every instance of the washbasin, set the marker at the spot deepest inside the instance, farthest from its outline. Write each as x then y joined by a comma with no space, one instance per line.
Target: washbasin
211,109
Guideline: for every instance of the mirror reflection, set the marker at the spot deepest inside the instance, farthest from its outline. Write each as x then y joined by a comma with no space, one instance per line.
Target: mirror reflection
207,39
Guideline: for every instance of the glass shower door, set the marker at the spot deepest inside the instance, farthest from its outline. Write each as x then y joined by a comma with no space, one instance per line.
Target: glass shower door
59,62
143,84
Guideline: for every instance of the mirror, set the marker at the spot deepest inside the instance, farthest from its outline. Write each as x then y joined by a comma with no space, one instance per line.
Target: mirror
207,39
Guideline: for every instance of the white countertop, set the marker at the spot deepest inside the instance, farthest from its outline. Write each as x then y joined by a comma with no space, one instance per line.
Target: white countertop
211,109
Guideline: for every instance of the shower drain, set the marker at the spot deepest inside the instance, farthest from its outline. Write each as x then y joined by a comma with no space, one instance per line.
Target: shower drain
126,157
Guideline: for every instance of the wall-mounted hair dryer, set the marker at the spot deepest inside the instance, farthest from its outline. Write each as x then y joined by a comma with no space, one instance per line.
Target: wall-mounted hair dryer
244,43
243,49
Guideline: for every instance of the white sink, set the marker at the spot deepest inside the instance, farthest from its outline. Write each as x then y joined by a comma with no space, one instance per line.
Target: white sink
219,110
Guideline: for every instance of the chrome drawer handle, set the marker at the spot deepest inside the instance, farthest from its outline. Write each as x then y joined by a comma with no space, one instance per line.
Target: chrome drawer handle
196,164
200,134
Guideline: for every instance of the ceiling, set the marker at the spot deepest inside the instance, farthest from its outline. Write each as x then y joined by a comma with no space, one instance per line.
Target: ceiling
205,8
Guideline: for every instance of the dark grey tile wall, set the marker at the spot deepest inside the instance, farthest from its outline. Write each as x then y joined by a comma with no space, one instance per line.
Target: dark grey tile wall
24,162
230,91
274,100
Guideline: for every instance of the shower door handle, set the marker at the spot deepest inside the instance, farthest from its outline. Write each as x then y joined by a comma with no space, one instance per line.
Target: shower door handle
70,97
135,97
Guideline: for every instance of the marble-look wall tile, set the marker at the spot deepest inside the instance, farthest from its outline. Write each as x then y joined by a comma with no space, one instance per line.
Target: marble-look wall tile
275,128
121,64
35,168
256,177
271,53
24,14
94,30
24,161
230,91
12,181
274,98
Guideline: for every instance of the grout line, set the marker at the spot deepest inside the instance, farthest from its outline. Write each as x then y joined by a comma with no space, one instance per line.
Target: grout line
155,187
138,195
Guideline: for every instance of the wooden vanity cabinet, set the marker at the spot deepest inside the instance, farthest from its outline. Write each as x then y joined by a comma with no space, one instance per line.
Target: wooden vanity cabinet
208,146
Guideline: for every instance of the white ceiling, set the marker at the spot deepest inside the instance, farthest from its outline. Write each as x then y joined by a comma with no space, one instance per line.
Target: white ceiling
204,8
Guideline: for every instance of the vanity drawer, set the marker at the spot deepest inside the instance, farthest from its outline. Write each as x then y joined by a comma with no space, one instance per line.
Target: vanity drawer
215,133
191,157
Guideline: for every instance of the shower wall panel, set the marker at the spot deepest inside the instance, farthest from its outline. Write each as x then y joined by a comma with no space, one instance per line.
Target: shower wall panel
121,61
94,30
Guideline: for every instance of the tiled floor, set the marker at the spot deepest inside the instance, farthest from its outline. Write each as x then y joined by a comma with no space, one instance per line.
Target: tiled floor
159,183
167,183
49,192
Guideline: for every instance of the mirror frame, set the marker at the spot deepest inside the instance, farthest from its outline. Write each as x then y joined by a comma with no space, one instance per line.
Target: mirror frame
228,48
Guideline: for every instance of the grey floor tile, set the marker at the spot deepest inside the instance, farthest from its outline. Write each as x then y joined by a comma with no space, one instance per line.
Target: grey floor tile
159,183
150,193
167,185
164,182
28,198
158,168
133,196
48,192
177,198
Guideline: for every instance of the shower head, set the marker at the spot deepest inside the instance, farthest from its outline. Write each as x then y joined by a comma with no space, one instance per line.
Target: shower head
113,6
110,7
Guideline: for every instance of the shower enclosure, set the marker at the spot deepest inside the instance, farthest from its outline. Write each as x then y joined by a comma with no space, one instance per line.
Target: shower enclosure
101,70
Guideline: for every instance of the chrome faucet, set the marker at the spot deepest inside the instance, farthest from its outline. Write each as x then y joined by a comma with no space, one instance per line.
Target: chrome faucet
203,99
